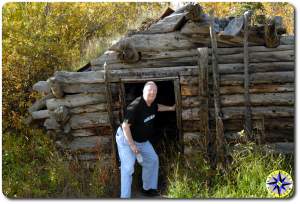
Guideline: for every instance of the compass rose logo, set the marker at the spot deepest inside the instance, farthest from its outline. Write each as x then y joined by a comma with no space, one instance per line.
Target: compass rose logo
279,183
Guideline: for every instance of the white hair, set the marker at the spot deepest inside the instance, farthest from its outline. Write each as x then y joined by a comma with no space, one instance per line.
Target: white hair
150,83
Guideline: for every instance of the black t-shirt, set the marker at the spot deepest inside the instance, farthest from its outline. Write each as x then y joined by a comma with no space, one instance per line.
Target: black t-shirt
141,117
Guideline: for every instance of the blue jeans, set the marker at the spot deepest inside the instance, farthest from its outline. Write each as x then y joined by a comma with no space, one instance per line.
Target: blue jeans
149,165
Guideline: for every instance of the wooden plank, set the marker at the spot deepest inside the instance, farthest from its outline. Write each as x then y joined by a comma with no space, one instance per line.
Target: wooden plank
203,94
220,141
176,85
248,122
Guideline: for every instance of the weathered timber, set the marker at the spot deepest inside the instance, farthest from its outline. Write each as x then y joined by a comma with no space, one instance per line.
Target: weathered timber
41,114
82,88
110,57
189,126
101,130
87,120
248,122
203,94
280,147
75,100
61,114
79,77
55,87
259,78
91,144
168,24
238,113
166,41
195,28
89,108
271,37
258,112
219,143
51,124
262,99
234,27
40,104
42,87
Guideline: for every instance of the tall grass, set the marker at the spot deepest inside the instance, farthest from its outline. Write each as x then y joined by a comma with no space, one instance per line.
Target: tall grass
244,177
33,168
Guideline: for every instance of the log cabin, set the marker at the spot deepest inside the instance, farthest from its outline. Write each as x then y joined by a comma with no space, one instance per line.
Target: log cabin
231,82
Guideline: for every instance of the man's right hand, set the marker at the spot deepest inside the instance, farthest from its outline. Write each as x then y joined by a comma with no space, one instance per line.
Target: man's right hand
134,149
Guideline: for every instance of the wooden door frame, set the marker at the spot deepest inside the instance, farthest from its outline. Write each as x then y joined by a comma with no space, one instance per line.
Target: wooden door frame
176,85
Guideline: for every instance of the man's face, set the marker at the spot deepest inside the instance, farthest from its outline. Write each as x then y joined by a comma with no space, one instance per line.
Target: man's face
149,93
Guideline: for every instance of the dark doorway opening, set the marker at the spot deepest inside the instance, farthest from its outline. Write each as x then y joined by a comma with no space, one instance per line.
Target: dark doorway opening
166,140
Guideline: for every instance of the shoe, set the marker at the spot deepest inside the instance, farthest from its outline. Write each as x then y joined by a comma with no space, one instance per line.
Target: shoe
150,192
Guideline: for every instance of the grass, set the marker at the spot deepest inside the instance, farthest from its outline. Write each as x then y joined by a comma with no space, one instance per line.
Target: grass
244,178
32,168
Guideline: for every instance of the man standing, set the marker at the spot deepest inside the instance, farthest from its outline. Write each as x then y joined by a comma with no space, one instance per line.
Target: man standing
132,141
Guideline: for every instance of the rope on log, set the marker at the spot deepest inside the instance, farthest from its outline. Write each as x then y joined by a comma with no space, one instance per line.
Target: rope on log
248,125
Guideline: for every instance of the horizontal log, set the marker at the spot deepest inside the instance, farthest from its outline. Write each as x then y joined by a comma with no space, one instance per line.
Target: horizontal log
72,101
111,57
279,136
190,101
259,78
257,112
153,42
256,67
187,90
280,147
238,112
256,57
102,130
89,108
83,88
91,144
42,87
263,99
87,120
190,126
79,77
192,138
40,103
258,88
287,40
41,114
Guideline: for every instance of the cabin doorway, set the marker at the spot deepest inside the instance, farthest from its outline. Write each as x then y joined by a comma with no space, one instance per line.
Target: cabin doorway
167,141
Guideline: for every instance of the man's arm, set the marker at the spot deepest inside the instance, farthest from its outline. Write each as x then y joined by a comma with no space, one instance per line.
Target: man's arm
128,136
162,108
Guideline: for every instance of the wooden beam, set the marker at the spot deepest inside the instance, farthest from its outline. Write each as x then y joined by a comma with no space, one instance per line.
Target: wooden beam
248,122
203,94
